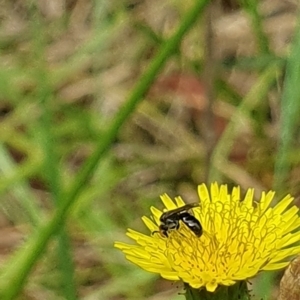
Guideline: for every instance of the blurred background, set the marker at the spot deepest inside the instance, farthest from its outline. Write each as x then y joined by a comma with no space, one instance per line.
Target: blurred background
219,110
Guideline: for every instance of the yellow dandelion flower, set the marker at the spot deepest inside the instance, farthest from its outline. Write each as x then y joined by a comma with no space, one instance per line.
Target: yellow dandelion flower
239,238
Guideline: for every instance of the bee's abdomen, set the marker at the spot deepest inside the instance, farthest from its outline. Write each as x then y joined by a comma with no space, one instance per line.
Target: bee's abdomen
191,222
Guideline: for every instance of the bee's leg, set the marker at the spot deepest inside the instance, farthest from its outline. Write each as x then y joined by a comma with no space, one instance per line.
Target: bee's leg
162,233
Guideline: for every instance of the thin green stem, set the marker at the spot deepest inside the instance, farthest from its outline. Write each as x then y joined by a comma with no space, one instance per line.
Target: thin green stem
15,274
290,109
21,172
224,145
51,168
238,291
209,73
20,187
51,164
251,6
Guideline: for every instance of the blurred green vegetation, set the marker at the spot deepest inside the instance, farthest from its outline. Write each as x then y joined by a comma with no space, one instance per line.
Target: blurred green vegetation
105,105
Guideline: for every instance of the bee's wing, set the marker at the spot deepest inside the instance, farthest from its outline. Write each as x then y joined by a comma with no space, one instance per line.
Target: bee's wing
179,210
190,205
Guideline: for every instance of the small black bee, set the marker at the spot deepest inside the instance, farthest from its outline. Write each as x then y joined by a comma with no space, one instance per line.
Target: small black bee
170,220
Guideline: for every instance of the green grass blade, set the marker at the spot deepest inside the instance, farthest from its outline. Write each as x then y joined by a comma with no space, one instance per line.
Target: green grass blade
51,162
251,6
224,145
51,168
290,110
20,189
